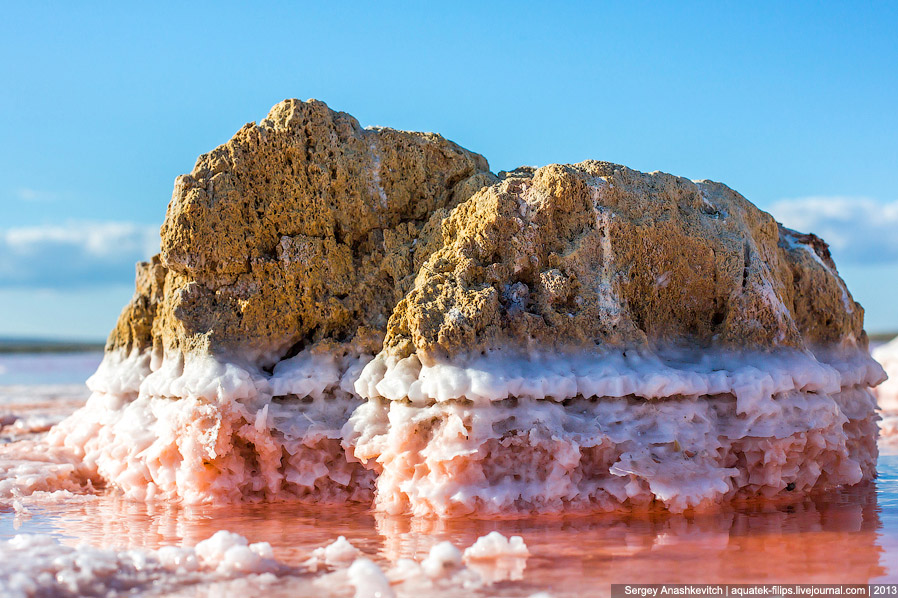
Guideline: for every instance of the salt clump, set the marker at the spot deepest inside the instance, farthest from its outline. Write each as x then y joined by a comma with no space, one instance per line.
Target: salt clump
495,545
40,566
369,580
887,392
338,553
443,557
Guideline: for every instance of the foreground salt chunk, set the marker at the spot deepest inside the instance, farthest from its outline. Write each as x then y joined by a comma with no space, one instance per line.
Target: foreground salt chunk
443,557
369,580
339,553
495,545
40,566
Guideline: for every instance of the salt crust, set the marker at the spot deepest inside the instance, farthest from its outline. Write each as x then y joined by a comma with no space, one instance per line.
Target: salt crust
621,431
444,568
31,469
753,378
203,429
32,565
887,395
495,545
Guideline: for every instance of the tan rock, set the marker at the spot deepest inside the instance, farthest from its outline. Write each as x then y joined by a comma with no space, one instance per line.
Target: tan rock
307,227
574,256
301,228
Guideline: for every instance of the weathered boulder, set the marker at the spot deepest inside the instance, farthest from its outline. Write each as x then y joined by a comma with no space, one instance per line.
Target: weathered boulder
574,256
301,228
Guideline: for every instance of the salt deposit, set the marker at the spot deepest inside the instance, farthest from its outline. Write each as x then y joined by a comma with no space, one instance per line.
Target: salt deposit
29,468
199,429
796,433
887,394
494,545
338,553
33,565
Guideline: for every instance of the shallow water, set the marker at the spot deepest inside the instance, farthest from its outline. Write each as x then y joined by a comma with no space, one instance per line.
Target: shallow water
843,536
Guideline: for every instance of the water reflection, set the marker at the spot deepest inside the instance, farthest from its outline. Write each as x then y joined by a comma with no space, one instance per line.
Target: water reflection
834,537
830,538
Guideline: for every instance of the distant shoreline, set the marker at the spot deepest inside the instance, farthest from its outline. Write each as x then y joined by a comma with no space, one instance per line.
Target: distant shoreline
48,346
53,346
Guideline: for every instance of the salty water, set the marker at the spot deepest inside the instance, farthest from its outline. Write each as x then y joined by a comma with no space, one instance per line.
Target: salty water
843,536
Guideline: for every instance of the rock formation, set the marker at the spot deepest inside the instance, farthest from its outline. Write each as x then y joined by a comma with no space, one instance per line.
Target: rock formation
334,304
283,254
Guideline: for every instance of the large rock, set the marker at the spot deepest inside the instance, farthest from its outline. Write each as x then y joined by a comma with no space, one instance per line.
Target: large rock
574,256
335,304
301,228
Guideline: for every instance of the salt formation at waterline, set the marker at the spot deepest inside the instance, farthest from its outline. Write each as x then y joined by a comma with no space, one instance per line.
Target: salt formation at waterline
341,313
230,374
887,393
227,563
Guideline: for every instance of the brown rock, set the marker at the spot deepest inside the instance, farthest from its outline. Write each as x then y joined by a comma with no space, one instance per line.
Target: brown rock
308,228
571,256
301,228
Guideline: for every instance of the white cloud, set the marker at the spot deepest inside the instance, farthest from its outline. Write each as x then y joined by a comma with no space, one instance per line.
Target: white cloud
27,194
78,254
858,229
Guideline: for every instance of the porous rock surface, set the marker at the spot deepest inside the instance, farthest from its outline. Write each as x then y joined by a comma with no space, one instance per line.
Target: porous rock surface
301,228
308,227
573,256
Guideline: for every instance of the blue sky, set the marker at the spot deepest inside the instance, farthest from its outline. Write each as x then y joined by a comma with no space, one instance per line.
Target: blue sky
791,104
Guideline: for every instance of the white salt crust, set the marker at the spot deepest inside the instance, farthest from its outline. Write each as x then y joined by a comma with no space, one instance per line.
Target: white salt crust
753,378
546,433
32,565
494,545
487,433
887,395
201,430
887,392
31,469
445,570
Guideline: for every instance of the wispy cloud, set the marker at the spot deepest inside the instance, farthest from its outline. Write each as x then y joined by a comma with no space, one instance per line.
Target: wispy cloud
78,254
858,229
28,194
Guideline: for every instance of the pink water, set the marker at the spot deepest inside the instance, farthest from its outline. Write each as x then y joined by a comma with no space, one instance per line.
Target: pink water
844,536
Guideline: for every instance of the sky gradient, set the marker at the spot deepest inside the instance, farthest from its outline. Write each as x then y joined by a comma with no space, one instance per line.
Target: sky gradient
792,106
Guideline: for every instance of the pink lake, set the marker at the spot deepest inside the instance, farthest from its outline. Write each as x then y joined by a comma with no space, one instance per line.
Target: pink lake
843,536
